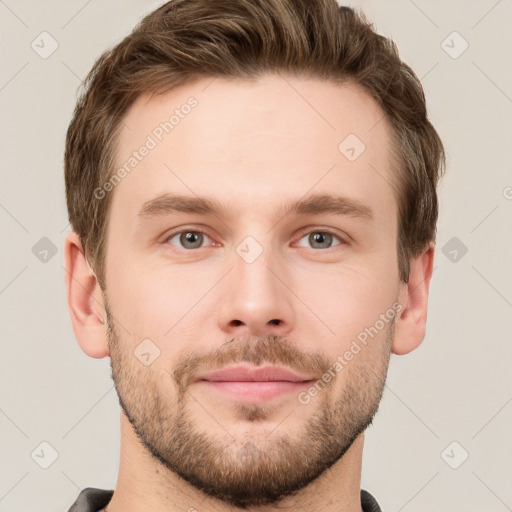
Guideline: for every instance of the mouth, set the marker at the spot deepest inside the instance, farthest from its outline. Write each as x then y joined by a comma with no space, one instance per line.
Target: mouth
250,384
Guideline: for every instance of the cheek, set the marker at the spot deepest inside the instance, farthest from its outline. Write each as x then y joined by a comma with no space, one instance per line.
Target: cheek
156,301
349,301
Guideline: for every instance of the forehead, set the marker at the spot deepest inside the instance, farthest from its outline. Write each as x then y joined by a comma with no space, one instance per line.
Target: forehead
247,143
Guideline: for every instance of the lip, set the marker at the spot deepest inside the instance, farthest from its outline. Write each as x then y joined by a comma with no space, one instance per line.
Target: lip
254,385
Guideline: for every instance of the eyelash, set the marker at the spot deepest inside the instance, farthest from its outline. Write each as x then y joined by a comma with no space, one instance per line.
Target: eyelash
202,231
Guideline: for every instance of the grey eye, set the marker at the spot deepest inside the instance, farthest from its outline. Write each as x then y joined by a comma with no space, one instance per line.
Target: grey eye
320,239
189,239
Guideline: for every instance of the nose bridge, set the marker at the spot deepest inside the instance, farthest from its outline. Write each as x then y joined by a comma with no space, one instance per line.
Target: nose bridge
255,299
255,267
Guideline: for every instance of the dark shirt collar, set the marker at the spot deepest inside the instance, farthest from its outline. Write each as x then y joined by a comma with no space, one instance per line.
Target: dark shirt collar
92,500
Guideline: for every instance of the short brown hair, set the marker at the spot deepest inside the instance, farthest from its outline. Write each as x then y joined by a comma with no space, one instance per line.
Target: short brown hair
184,40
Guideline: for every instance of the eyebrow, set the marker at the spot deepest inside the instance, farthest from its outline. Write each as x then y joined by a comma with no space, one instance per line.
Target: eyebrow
311,205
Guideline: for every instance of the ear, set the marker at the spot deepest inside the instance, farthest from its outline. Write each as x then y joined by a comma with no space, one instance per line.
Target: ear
410,324
85,300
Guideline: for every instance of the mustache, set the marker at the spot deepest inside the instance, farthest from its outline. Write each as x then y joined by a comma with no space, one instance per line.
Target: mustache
272,349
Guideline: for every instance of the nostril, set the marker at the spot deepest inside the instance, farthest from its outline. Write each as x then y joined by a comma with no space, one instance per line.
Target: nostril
275,322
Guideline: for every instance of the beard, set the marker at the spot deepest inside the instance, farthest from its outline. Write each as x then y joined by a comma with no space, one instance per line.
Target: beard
247,471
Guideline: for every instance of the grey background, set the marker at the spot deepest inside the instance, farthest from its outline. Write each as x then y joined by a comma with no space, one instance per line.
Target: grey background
455,388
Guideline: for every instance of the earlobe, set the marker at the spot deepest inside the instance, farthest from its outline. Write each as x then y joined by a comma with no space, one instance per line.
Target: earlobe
85,300
410,324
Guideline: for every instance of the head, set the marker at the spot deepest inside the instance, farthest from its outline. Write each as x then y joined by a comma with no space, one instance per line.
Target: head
305,240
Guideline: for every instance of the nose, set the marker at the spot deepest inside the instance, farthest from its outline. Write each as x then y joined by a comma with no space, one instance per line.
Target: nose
256,298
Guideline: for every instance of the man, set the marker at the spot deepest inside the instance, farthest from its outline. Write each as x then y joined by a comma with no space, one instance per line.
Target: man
252,191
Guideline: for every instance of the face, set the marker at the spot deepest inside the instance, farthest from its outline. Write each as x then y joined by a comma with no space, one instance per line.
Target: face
281,251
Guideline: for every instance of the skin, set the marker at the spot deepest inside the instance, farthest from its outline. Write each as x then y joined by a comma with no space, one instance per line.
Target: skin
300,304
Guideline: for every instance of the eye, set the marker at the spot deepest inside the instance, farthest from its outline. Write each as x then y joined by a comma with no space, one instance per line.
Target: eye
321,239
189,238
